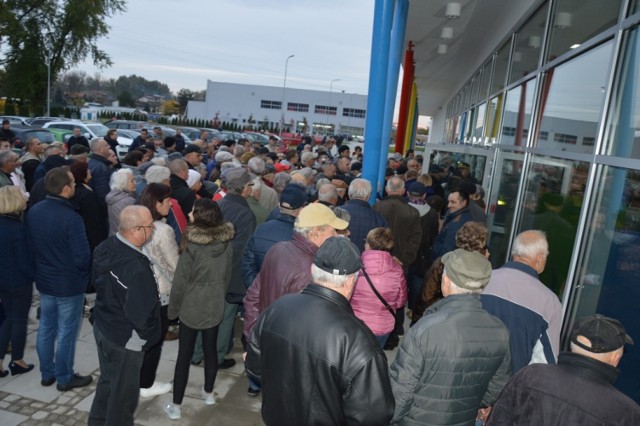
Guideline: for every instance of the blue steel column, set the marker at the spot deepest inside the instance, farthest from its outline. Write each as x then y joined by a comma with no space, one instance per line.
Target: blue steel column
393,75
382,21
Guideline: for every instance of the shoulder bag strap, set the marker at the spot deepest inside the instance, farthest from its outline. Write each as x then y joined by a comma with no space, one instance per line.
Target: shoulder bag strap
384,302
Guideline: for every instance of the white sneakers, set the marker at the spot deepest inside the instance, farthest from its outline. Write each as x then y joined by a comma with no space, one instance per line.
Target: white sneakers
158,388
209,399
173,411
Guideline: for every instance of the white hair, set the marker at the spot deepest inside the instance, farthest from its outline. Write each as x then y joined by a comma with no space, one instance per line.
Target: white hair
256,165
360,189
320,276
157,174
526,247
119,179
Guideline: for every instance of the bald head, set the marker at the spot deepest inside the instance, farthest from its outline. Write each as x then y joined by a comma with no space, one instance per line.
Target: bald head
136,225
531,248
395,186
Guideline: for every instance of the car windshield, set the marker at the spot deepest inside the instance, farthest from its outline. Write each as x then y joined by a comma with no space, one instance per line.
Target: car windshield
99,130
43,136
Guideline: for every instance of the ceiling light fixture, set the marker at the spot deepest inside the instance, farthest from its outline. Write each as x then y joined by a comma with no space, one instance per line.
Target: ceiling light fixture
446,33
575,46
453,11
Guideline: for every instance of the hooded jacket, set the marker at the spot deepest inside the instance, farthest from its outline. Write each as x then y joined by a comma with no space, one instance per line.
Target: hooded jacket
117,200
202,277
387,277
127,309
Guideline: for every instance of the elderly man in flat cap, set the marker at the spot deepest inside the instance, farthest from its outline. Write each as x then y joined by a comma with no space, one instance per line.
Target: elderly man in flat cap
455,360
317,362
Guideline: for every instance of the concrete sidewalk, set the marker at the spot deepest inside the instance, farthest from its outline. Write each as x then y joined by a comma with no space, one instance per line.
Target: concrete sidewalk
23,401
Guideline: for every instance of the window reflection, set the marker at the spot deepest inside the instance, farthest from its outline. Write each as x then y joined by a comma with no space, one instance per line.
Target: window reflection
553,200
576,21
500,70
624,131
459,167
476,136
571,101
503,204
608,284
517,114
494,111
528,45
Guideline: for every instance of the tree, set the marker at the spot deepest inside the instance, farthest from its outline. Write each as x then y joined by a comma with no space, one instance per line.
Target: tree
184,96
170,107
126,100
62,33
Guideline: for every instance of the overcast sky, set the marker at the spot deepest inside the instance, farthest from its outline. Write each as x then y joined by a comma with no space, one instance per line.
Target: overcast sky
183,43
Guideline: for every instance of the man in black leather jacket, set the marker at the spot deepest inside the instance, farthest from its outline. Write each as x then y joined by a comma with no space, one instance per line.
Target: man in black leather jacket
317,362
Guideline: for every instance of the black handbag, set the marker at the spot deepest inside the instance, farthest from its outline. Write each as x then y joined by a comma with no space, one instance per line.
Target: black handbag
384,302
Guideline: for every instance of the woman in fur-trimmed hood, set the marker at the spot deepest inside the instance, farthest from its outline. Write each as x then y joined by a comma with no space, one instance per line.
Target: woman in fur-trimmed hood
199,286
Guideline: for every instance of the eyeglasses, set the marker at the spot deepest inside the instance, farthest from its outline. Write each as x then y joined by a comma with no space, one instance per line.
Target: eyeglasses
152,226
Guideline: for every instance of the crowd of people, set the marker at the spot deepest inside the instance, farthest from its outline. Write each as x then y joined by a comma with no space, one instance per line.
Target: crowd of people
178,241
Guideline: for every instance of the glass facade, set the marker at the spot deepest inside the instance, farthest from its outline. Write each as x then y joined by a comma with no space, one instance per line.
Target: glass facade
558,112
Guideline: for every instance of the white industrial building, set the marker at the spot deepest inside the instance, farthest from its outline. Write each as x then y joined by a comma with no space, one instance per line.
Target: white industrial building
243,104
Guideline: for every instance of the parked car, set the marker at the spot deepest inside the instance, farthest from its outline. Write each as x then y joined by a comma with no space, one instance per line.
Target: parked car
191,132
24,133
41,121
258,137
126,124
16,119
90,131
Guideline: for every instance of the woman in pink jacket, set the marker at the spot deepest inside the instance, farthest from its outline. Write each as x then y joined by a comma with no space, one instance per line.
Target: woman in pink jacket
387,277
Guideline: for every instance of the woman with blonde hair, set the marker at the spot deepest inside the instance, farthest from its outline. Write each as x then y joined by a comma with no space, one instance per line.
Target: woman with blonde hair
16,281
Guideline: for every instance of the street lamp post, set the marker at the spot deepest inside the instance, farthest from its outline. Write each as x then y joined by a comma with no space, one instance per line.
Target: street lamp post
284,86
48,85
326,131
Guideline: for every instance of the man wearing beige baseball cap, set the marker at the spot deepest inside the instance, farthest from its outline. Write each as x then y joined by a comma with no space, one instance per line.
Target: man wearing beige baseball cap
455,359
287,265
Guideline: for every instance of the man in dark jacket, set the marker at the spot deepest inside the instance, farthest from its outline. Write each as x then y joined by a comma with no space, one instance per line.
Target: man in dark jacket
77,139
404,222
455,359
140,140
236,210
292,199
335,380
579,389
457,216
101,169
63,261
126,316
179,188
363,217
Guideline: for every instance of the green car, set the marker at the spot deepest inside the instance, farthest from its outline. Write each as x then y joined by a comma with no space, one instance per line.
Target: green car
61,135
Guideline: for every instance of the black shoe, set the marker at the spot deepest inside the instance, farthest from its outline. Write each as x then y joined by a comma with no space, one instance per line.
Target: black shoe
227,363
197,363
253,392
48,382
77,381
18,369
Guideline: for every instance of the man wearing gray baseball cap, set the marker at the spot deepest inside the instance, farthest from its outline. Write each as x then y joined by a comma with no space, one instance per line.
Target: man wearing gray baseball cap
455,359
